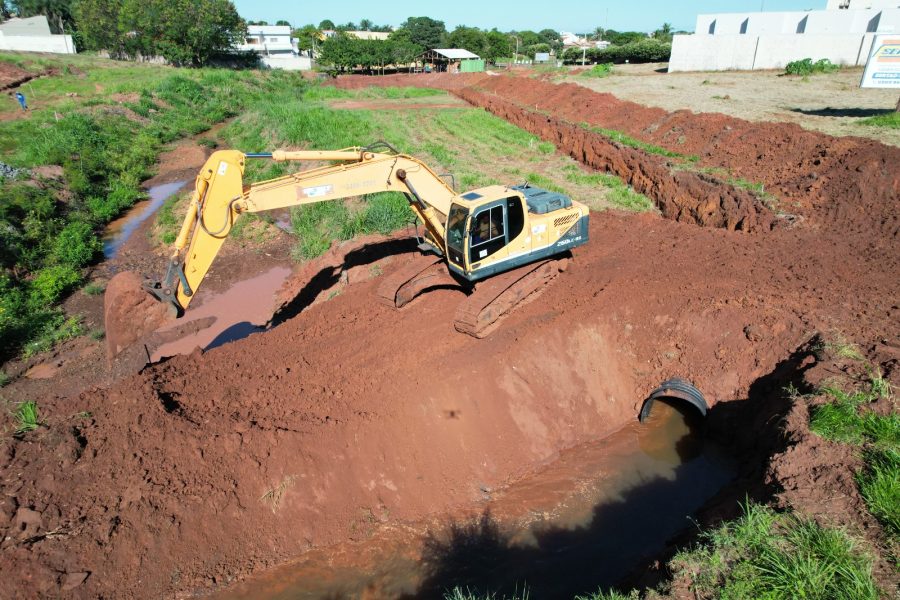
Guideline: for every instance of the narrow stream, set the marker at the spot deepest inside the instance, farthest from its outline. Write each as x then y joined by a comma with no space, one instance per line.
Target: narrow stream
118,231
581,523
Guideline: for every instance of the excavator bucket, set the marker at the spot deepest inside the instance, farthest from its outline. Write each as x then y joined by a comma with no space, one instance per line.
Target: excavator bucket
130,313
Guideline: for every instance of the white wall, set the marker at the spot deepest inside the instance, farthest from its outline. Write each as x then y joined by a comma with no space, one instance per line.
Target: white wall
744,52
287,62
58,44
712,53
775,52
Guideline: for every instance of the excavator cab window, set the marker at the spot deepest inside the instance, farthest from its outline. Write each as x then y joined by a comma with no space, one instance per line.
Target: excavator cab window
488,233
456,233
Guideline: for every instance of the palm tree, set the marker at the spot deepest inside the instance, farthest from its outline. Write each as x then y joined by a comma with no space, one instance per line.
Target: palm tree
598,34
365,24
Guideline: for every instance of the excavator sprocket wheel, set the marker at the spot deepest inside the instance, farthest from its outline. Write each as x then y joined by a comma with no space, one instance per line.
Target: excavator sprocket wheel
494,298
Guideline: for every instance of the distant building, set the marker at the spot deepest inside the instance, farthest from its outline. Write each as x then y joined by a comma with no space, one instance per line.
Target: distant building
275,47
571,40
842,33
451,60
370,35
860,4
33,35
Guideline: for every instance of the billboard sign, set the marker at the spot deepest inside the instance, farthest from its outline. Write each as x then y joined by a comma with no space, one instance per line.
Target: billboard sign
883,67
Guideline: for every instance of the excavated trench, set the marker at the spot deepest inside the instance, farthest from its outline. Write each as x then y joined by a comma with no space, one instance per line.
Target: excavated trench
352,421
680,195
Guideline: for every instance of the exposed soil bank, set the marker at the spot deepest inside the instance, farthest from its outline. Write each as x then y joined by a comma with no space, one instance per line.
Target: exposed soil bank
828,180
578,523
348,416
680,195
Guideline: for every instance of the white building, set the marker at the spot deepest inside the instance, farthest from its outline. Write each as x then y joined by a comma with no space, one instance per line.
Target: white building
275,47
33,35
842,33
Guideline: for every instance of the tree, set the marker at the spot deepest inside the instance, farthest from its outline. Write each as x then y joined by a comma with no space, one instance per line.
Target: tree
468,38
58,12
261,23
664,33
425,31
598,34
282,23
326,24
365,25
184,32
307,37
498,45
551,38
98,25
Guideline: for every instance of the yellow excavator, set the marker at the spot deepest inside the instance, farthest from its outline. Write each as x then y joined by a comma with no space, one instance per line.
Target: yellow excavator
500,243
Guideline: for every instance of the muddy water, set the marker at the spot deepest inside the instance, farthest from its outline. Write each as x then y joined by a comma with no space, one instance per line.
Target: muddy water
582,522
241,310
118,231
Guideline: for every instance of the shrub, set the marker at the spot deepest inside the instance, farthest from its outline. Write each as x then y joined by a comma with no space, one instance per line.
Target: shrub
76,245
601,70
806,66
50,283
642,51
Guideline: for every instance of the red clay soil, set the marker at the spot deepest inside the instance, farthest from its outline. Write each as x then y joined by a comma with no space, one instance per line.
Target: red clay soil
12,76
348,415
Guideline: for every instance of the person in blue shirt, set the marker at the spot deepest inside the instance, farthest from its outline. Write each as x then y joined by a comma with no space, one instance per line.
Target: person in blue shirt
21,98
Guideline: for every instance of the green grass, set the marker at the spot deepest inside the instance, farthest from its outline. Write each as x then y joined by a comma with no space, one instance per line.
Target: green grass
459,593
93,289
27,417
888,121
55,330
621,195
764,554
847,418
4,378
626,140
879,484
610,595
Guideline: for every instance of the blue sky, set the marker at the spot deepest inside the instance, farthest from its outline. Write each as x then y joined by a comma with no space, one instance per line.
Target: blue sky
562,15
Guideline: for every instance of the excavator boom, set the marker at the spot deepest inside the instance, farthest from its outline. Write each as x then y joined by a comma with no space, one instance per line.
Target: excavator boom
491,230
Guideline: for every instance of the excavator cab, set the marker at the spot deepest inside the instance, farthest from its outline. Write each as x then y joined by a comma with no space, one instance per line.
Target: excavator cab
499,228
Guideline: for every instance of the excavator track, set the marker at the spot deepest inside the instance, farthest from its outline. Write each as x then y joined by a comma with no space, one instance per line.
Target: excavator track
404,284
493,298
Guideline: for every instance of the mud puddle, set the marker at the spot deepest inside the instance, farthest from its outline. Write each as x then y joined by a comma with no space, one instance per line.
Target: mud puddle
584,521
241,310
118,231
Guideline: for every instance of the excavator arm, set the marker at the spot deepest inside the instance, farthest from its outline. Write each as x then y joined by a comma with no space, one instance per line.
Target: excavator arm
220,197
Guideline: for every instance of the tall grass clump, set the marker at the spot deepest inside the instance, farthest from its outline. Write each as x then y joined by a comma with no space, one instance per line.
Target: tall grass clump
764,554
848,418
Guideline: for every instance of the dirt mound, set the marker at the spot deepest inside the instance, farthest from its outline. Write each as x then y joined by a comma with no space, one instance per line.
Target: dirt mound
680,195
129,312
348,416
853,182
12,76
